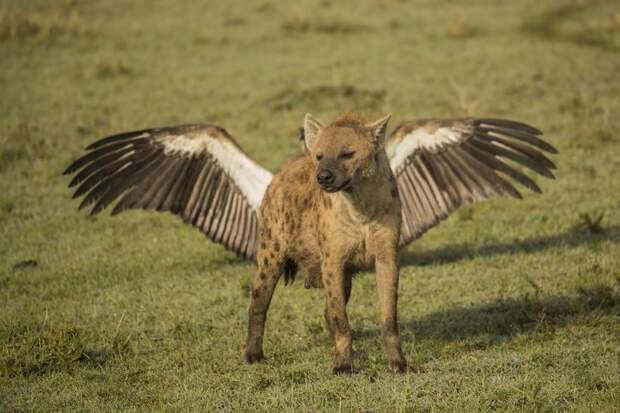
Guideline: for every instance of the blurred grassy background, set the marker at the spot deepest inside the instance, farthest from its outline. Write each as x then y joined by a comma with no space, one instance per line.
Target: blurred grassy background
506,306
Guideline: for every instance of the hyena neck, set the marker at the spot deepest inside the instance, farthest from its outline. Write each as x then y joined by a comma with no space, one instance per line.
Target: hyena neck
371,196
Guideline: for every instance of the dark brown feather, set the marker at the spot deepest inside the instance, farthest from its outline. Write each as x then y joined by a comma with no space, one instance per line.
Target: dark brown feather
127,136
500,184
103,162
206,204
97,154
521,135
500,166
474,182
526,150
509,124
512,155
415,193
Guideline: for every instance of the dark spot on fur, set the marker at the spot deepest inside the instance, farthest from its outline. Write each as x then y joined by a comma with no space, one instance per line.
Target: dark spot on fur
262,245
276,246
330,275
327,203
255,293
266,261
326,254
262,276
329,293
340,323
394,192
328,281
272,255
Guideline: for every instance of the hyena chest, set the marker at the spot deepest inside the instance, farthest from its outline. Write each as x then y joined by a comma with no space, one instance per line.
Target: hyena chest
350,244
355,240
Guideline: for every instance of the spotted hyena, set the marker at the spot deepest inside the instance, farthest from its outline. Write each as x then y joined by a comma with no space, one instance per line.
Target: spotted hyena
331,212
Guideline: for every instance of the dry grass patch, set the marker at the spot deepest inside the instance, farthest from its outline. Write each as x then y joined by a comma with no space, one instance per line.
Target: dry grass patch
17,25
461,29
303,24
327,96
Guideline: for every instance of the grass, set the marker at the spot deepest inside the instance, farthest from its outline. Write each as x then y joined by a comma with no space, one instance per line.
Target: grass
510,306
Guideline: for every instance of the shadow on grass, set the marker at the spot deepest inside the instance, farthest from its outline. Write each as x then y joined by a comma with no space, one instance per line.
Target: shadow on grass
502,319
484,325
461,251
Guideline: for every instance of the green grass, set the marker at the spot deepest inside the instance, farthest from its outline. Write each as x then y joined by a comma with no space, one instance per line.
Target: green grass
510,306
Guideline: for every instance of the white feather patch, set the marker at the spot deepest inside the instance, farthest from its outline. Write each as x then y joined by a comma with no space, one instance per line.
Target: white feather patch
186,145
421,138
250,177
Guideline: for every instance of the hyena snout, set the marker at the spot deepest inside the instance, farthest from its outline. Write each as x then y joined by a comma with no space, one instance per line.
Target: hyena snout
325,178
332,179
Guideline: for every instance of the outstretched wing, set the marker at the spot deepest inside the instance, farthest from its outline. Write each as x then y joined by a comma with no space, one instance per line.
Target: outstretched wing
195,171
442,164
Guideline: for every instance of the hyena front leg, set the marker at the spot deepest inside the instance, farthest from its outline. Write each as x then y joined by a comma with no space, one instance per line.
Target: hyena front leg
263,285
347,294
387,287
336,296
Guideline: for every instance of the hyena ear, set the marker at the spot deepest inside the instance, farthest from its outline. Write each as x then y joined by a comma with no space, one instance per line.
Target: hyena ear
312,127
378,128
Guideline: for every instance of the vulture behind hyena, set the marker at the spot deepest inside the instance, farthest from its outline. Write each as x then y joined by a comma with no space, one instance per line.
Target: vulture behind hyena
200,173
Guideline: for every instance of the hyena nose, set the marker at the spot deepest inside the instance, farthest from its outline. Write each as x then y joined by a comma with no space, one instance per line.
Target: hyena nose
325,177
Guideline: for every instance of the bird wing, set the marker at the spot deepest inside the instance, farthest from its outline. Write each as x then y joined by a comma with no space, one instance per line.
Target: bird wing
440,164
197,172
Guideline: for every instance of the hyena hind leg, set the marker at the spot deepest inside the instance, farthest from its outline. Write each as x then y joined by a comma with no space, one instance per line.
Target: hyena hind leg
263,284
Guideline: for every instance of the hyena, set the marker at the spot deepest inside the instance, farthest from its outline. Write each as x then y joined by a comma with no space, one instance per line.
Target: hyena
330,213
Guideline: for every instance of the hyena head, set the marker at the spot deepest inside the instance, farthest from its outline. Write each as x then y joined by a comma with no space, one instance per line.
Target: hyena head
346,151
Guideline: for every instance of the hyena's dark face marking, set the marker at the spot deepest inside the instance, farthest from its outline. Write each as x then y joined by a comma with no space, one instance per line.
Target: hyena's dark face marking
343,153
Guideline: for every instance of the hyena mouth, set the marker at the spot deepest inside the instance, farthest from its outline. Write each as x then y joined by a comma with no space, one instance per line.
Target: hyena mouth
332,189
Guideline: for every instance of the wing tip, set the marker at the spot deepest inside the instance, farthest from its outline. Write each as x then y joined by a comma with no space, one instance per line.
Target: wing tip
508,123
73,167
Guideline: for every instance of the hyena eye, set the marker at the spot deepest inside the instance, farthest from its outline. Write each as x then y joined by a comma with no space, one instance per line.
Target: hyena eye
319,157
347,155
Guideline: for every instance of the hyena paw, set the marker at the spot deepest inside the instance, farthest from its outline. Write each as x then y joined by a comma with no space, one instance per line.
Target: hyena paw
342,369
252,357
398,366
